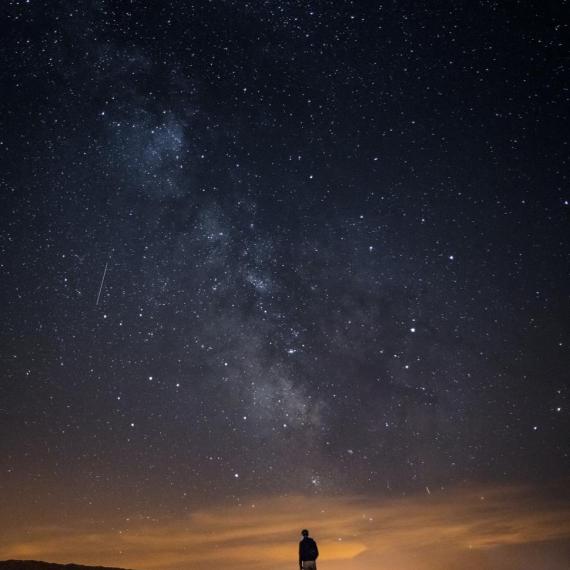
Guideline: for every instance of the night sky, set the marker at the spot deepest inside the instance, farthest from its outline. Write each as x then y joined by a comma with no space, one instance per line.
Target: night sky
272,256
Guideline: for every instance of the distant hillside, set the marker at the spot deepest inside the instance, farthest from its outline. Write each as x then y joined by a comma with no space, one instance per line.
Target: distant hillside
37,565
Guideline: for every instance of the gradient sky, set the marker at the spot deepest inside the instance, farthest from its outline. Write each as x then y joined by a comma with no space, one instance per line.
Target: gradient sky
310,256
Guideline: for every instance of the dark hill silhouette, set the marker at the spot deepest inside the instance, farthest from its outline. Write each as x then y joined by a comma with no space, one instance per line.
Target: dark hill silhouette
37,565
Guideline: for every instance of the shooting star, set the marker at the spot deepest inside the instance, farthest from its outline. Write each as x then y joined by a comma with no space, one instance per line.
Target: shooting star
102,281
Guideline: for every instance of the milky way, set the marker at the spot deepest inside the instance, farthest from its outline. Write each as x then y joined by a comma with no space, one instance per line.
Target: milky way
263,248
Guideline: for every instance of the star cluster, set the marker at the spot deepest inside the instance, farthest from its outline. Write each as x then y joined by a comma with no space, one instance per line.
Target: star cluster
251,248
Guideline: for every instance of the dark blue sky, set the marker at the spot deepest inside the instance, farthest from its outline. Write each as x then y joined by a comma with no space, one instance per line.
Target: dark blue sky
336,246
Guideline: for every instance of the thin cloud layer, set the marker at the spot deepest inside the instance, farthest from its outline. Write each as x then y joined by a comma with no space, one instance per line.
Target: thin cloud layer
468,526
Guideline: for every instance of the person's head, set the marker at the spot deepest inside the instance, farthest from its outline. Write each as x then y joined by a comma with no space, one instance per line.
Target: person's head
305,532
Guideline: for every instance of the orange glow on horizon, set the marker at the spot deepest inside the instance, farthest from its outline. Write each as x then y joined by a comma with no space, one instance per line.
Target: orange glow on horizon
414,533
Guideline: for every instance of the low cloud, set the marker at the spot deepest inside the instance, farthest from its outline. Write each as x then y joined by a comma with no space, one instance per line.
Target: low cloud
484,528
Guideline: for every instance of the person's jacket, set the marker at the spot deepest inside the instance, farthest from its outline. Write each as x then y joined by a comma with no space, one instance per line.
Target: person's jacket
308,550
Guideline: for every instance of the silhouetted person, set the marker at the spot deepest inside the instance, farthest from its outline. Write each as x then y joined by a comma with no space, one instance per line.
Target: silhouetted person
308,552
